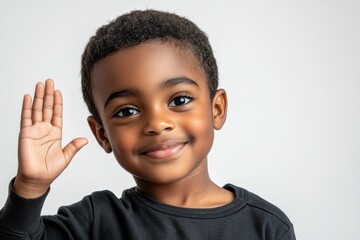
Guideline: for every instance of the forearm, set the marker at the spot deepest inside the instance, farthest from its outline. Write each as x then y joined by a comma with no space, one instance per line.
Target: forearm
20,217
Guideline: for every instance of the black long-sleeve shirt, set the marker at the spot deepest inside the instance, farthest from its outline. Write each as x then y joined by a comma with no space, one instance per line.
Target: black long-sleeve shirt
135,215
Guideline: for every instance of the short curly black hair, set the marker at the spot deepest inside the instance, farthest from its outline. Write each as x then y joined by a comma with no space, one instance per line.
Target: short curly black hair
138,27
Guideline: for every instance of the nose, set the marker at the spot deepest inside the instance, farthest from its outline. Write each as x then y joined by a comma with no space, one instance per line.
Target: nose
158,121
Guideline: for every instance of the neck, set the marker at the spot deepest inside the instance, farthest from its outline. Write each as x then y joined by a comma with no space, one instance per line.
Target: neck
196,190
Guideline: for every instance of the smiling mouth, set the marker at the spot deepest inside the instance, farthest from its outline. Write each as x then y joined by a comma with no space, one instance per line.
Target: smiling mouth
164,150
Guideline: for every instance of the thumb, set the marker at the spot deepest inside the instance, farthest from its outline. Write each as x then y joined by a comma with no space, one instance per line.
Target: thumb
73,147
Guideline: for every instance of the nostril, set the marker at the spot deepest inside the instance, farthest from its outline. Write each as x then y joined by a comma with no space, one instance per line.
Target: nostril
168,126
150,131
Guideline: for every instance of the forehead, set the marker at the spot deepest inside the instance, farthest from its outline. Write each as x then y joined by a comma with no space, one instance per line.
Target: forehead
143,67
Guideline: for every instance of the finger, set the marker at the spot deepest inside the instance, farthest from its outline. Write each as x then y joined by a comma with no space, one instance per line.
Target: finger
26,112
73,147
48,101
57,109
36,112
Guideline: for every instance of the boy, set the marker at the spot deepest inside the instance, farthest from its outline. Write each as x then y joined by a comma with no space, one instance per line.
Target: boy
149,79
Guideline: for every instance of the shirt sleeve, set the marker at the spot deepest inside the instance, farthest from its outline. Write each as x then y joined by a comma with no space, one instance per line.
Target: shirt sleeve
20,219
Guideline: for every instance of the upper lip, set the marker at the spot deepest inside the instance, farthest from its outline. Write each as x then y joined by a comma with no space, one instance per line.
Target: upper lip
160,146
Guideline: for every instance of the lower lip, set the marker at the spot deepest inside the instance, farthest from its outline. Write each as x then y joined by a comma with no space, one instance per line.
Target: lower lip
165,153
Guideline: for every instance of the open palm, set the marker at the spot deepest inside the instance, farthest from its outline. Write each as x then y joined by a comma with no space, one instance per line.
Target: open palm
40,152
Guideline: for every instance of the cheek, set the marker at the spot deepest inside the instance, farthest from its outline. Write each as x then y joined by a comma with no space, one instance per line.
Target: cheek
122,143
200,126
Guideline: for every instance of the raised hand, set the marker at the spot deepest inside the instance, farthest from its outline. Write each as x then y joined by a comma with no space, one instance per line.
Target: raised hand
41,156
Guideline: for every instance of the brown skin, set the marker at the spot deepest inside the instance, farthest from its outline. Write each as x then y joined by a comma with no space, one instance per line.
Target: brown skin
40,154
160,129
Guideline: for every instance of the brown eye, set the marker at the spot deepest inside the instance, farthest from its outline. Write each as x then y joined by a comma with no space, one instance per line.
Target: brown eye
126,112
180,100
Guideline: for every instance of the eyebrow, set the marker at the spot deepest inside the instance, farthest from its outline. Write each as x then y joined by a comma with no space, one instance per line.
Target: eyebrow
166,84
179,80
122,93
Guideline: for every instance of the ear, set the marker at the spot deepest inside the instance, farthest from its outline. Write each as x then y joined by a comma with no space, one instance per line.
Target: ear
219,108
100,134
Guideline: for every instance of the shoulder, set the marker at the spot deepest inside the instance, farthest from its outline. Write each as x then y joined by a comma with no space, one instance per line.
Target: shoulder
103,195
261,211
259,204
108,199
92,202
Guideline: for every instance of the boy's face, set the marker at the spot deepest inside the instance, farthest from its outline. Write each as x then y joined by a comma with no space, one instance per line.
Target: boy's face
157,116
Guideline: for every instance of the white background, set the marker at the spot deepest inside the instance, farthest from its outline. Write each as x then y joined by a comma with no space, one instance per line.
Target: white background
292,73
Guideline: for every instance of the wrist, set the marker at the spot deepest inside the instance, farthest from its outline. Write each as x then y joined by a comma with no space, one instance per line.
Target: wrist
29,190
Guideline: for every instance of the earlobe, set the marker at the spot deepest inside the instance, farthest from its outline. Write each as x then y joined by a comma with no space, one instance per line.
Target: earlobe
219,107
99,134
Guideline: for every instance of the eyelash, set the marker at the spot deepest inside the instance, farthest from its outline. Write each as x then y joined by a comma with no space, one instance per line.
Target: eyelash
187,98
182,96
121,110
